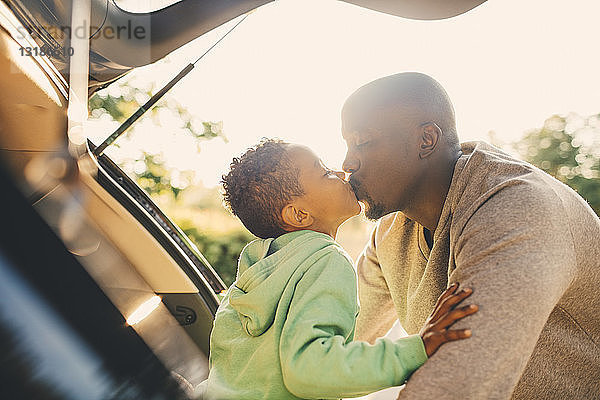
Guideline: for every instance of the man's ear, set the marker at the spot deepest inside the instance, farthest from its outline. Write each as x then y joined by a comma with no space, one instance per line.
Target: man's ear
430,136
296,217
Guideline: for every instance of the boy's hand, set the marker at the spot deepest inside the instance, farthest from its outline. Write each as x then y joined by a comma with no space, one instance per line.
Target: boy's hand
435,332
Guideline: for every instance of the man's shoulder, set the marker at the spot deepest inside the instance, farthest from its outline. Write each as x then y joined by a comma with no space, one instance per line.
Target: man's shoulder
484,168
486,172
493,190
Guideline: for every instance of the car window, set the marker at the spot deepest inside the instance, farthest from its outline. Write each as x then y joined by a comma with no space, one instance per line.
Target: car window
163,153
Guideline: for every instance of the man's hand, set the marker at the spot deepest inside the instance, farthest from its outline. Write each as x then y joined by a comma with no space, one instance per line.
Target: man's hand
435,332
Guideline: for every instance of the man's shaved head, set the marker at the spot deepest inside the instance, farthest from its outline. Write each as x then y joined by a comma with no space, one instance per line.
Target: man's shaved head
402,143
412,96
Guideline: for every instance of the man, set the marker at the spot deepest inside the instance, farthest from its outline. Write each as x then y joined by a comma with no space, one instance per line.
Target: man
472,214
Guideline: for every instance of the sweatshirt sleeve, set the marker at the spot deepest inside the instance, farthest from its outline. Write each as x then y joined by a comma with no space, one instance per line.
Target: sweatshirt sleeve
377,311
516,251
318,359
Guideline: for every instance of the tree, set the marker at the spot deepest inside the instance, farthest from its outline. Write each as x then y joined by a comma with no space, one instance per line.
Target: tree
568,148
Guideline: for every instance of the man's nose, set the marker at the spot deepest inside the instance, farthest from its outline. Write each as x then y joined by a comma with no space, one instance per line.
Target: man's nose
350,164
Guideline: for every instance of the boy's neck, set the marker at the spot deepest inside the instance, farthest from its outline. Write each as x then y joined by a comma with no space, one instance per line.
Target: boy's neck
331,231
328,231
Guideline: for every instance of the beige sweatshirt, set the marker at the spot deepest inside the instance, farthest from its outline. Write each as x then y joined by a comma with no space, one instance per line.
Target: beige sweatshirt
529,246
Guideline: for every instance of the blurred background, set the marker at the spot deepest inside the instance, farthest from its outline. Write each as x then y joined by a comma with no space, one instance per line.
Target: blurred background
527,85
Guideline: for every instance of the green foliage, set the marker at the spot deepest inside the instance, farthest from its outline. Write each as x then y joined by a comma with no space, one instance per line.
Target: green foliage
222,250
116,107
568,148
156,178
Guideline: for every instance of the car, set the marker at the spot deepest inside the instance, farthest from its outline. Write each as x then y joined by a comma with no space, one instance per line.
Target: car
106,296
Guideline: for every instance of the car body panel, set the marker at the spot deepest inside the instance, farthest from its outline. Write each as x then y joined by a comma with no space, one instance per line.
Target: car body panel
128,260
419,9
31,102
55,316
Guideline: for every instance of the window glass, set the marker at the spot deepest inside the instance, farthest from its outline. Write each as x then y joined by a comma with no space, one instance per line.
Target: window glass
164,152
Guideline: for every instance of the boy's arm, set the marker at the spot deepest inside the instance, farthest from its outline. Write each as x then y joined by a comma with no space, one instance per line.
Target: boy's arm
316,359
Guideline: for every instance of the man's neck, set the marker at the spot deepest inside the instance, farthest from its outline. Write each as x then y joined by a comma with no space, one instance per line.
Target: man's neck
426,209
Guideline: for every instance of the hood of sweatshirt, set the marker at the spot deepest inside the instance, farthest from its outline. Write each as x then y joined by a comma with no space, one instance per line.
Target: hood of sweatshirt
264,270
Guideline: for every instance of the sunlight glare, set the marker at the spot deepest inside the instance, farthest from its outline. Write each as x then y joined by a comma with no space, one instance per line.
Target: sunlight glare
144,310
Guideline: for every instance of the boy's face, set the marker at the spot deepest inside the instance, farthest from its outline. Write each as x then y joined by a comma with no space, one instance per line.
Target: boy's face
327,196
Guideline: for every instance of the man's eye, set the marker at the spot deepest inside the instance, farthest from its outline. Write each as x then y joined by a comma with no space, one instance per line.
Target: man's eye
362,144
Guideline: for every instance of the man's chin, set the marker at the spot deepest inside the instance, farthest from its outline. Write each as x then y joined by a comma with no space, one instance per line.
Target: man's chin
374,211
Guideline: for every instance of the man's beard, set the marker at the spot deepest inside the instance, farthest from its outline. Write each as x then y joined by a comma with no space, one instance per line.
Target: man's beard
373,209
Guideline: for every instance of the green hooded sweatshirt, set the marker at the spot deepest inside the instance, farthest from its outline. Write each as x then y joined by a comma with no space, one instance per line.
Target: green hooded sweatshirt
285,327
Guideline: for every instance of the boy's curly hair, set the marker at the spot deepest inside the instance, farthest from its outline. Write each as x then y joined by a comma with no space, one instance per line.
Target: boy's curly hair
259,184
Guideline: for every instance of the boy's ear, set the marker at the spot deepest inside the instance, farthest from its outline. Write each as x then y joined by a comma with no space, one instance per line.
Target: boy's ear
295,217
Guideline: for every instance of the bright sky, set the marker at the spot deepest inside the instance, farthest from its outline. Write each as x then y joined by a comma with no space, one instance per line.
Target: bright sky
287,69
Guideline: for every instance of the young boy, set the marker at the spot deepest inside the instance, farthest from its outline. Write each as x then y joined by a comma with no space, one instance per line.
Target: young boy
285,327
